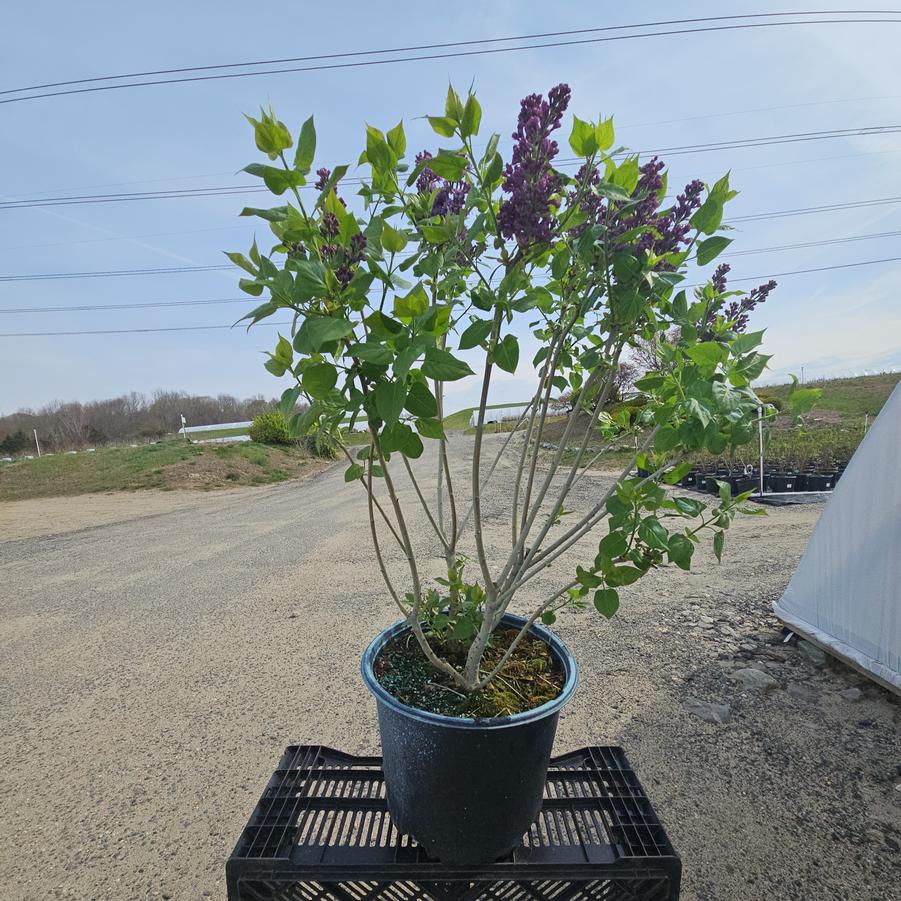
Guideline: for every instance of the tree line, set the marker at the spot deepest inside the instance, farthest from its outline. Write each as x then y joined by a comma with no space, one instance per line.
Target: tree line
131,417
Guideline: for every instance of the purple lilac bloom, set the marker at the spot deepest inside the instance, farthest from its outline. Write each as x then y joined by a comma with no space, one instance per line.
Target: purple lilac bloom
719,277
324,175
427,180
329,227
529,179
450,196
737,313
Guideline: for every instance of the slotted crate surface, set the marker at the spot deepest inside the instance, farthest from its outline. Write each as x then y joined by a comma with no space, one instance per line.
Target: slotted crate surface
322,831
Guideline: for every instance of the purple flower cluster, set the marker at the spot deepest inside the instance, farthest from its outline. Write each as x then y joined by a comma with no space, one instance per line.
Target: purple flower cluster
529,179
450,196
663,233
345,260
324,175
674,226
738,312
719,277
329,227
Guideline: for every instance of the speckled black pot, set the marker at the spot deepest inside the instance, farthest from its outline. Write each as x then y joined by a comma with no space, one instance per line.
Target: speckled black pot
466,789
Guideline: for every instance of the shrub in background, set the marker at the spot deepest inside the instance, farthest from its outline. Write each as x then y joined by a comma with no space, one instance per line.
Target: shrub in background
270,428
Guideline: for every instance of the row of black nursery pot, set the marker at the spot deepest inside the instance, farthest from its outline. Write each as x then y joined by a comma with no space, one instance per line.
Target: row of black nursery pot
775,479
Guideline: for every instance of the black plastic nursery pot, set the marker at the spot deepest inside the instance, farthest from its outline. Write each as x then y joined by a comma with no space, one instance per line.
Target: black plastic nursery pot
780,482
466,789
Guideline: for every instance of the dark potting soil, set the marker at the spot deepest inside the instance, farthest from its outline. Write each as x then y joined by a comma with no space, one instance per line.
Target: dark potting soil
531,677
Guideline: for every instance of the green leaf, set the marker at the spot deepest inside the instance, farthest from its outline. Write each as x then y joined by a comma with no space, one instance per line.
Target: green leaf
306,147
353,472
443,366
389,400
707,354
688,506
392,240
606,602
548,617
276,214
719,539
604,133
319,379
653,533
271,136
289,401
583,137
310,277
405,359
412,305
711,248
745,342
709,216
443,126
622,575
453,105
397,140
240,260
371,352
421,402
254,289
626,174
506,353
472,117
431,428
380,156
680,550
448,165
613,546
588,579
475,334
316,331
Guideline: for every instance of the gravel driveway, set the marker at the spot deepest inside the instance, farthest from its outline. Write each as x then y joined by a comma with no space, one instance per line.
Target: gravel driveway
153,668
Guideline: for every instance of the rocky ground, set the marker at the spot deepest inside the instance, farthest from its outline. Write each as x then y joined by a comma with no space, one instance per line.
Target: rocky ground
154,666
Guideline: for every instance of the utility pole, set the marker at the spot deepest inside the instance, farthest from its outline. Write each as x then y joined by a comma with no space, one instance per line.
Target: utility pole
184,427
760,444
37,443
802,375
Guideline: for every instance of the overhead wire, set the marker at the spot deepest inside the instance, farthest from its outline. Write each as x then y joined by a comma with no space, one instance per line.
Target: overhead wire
478,52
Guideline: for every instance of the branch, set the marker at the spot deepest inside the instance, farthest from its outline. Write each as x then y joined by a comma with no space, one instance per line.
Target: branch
374,499
378,550
425,505
522,633
497,459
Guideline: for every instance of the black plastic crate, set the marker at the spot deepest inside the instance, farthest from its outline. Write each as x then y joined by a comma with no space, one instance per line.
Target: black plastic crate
322,831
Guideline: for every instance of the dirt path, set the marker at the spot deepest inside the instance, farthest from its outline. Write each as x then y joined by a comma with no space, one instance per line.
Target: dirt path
154,666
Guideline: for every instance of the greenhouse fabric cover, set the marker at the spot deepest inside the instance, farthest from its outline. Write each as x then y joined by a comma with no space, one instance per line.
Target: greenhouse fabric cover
846,591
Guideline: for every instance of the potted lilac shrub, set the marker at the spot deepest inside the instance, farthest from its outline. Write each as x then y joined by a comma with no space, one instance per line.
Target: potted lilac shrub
456,250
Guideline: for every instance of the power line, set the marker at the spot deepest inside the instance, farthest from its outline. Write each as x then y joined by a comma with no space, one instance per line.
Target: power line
470,53
754,217
521,37
128,331
802,246
124,306
110,273
679,150
190,328
803,211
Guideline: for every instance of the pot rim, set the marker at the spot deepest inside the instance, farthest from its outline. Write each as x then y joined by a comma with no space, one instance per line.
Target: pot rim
558,648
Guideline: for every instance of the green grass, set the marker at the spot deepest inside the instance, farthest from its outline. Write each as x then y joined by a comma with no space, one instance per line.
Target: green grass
168,465
847,400
459,421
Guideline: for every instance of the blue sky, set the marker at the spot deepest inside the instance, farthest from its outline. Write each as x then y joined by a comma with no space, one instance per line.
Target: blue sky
663,91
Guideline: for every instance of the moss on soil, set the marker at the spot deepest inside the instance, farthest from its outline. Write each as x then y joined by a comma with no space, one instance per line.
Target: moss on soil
532,677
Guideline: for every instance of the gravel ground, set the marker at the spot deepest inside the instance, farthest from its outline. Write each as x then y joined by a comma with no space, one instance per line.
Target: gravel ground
154,667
